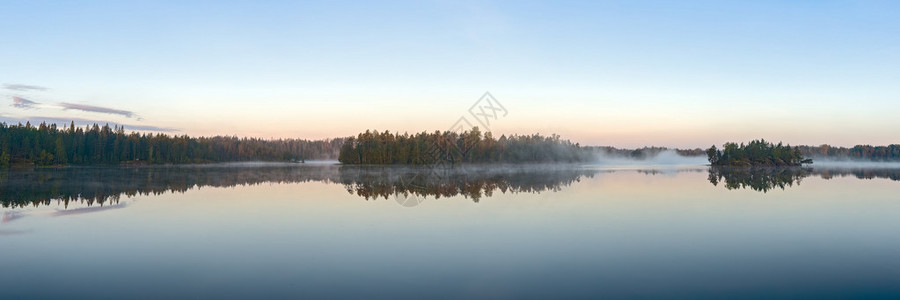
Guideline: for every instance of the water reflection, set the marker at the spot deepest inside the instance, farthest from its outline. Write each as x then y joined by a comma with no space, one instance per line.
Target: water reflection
766,179
628,232
105,187
100,186
470,182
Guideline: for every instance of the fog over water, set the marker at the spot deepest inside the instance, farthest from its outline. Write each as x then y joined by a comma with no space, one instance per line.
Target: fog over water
829,162
664,158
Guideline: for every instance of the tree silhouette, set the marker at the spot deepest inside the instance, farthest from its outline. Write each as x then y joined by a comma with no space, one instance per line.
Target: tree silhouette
385,148
96,145
756,153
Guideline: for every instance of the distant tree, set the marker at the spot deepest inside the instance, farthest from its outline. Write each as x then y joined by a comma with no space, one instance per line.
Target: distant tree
713,154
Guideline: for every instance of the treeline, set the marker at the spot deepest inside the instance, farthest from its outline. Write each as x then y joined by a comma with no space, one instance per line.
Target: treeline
858,152
645,152
756,153
382,148
49,145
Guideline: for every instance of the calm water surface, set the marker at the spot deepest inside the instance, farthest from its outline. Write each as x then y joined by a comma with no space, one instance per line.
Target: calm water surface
326,231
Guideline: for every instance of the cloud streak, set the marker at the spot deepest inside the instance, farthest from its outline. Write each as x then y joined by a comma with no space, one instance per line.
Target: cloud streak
23,103
96,109
23,87
19,102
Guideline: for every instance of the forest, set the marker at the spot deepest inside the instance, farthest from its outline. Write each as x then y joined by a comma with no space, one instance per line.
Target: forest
383,148
756,153
46,145
858,152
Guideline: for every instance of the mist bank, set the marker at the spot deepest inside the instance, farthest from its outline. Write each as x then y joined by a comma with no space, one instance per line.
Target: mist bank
858,153
647,156
847,163
473,146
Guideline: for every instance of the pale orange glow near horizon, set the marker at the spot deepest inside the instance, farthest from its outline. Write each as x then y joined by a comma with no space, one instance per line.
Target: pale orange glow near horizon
708,78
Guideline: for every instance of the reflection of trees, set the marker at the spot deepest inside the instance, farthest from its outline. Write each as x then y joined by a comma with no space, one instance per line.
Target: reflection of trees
757,179
470,182
669,171
19,188
861,173
765,179
103,185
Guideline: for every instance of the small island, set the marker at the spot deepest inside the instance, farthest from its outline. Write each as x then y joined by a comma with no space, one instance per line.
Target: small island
756,153
451,148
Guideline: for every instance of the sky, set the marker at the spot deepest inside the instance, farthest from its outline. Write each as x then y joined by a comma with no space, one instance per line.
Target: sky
620,73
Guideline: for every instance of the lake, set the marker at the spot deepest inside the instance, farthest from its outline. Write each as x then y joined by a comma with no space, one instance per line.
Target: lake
320,230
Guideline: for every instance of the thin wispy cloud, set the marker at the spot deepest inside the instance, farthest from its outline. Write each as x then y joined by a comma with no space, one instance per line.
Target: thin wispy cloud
23,87
96,109
19,102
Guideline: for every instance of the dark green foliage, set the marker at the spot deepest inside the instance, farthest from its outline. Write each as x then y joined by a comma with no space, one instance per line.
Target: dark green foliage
64,186
864,152
765,179
474,182
372,147
757,179
756,153
44,186
48,145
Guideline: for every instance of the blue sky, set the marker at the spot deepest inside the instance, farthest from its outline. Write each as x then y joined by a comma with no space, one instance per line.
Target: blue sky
628,73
